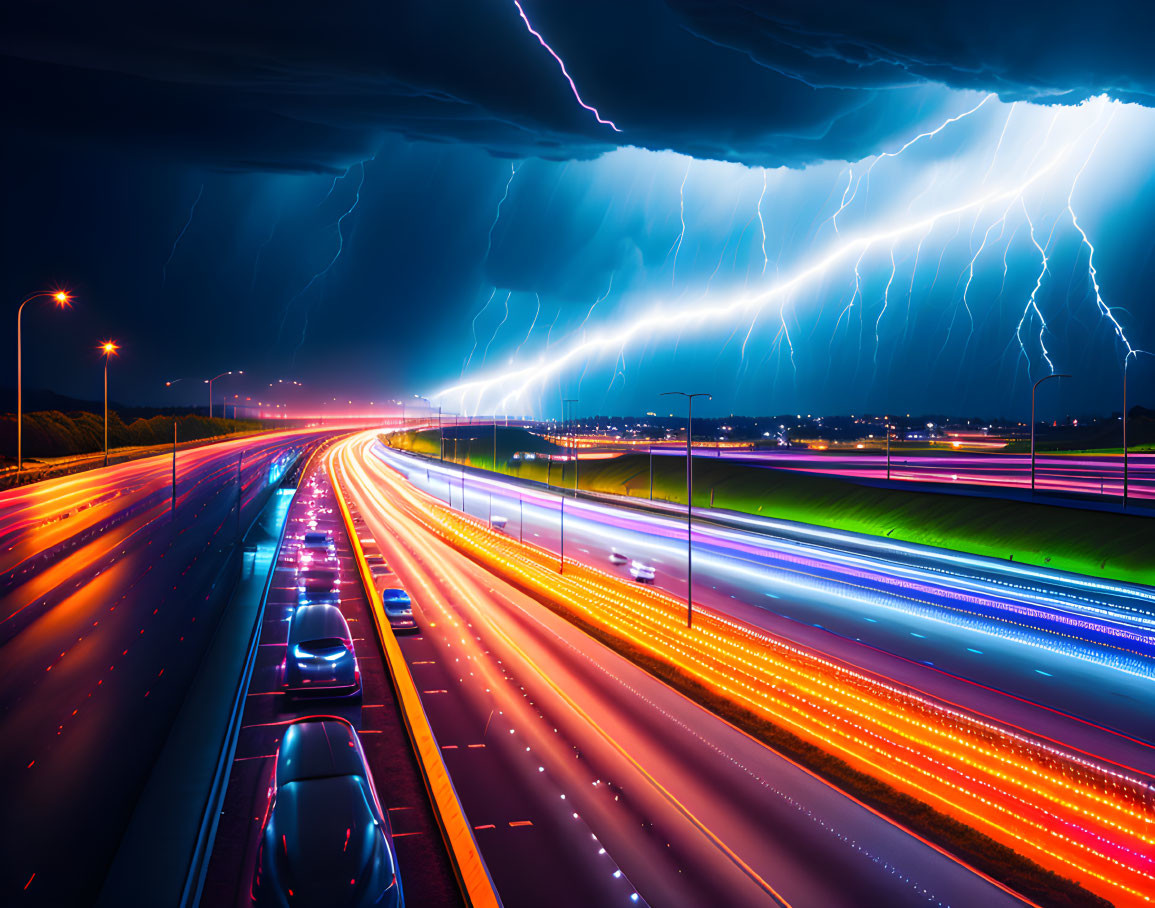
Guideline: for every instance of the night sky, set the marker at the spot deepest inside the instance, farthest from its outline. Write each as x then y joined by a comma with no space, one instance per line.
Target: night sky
799,207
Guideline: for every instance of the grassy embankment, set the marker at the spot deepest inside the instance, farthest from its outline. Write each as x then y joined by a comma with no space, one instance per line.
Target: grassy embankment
1114,546
51,433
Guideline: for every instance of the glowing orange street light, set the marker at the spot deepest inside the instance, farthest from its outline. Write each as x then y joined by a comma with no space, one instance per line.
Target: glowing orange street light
63,300
109,350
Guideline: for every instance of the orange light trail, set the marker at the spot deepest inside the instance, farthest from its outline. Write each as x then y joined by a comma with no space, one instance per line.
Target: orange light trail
1075,815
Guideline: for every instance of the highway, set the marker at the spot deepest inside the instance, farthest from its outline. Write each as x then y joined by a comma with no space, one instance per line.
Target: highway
109,600
1081,474
1064,656
426,875
588,781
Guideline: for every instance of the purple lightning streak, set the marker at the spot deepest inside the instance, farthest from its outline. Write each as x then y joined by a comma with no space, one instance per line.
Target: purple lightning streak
564,72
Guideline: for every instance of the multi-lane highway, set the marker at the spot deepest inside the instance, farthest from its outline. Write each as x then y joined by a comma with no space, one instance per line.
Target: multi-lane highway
109,599
1066,656
588,781
1082,474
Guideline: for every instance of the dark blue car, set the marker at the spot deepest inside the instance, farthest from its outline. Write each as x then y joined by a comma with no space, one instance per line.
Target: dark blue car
326,842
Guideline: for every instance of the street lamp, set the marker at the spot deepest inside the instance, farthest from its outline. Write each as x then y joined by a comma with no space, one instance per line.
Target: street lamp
689,499
1033,388
1126,362
109,350
887,447
209,382
62,301
565,418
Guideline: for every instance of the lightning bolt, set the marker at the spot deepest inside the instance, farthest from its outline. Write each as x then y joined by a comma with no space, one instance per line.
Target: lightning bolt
497,214
497,330
1032,302
532,325
480,313
1103,307
564,71
762,224
600,299
999,146
931,133
666,320
333,261
337,179
180,236
677,247
882,311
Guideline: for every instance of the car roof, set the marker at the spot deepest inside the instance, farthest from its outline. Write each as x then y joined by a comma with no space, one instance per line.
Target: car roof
316,748
313,622
392,592
314,536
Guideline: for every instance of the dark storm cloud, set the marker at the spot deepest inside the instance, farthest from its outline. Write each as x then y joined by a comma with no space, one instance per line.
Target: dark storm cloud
1057,51
316,86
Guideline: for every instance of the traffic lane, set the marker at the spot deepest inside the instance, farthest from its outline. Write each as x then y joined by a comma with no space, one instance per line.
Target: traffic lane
38,555
42,507
1087,475
816,846
795,859
78,746
1039,586
1020,684
425,873
493,744
31,605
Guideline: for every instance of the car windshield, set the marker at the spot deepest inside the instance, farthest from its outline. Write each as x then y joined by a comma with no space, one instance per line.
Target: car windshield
325,648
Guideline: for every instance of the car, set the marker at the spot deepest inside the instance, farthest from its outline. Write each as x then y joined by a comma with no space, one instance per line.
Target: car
617,558
319,658
399,610
377,571
325,840
317,540
498,522
321,584
642,572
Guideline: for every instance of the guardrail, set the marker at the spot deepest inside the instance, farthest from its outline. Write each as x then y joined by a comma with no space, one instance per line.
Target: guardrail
202,850
472,875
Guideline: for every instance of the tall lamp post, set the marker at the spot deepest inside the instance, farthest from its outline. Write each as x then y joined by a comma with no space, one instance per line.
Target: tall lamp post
1034,387
109,350
62,301
888,448
209,382
561,542
689,498
1126,362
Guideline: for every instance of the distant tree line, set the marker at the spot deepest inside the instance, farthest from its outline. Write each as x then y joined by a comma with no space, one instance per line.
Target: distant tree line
50,433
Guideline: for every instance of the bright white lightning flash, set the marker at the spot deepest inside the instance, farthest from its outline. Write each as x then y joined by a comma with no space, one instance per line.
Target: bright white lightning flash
516,381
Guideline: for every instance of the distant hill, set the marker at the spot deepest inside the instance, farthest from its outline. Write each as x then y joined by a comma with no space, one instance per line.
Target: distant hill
41,399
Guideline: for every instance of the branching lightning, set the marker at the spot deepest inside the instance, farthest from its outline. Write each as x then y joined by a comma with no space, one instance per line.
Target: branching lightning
1103,307
1033,303
666,320
903,232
